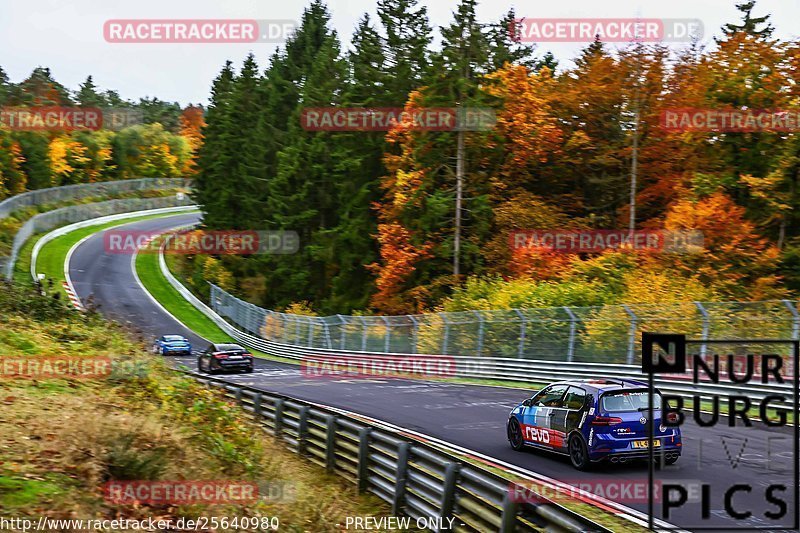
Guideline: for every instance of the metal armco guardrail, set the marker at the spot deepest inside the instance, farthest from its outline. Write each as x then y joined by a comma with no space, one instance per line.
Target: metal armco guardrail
87,190
416,479
76,213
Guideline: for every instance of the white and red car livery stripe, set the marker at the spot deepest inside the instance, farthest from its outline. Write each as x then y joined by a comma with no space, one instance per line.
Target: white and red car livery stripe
545,436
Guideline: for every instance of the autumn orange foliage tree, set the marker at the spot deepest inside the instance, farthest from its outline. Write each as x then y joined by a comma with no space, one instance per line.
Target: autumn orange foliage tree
734,258
192,124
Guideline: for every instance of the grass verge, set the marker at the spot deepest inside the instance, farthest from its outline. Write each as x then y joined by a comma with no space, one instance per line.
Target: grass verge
50,261
147,267
63,438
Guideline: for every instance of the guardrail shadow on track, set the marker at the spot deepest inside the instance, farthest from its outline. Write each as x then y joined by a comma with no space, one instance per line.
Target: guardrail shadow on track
416,479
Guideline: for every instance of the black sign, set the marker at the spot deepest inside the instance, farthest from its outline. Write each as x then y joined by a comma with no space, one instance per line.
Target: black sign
663,353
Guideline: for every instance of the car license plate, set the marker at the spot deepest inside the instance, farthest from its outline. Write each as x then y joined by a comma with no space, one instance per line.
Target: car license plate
235,357
643,443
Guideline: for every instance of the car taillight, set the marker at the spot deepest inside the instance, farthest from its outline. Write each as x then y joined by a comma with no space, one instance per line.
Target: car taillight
606,421
672,417
220,355
247,354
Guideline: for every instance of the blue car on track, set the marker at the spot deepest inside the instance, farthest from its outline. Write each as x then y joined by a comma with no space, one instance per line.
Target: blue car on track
592,421
172,345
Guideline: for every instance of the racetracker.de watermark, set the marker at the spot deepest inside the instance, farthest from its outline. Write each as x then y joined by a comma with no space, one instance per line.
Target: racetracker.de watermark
595,241
202,242
69,118
730,120
370,367
613,488
387,118
609,30
180,492
55,367
197,31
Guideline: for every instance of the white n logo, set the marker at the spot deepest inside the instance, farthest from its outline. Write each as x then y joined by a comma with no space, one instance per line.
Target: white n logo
660,354
663,352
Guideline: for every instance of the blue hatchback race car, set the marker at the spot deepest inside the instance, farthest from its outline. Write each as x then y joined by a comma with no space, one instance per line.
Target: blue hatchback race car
592,421
172,345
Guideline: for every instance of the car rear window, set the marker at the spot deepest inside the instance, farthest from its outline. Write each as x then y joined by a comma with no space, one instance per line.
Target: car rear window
229,348
633,400
173,338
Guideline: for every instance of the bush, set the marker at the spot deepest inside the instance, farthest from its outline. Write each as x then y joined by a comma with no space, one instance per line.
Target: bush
126,461
15,298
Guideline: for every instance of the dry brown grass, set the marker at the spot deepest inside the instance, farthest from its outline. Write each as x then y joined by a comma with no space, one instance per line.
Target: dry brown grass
60,440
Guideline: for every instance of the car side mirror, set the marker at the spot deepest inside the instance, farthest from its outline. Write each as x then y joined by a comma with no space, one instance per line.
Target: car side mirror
527,403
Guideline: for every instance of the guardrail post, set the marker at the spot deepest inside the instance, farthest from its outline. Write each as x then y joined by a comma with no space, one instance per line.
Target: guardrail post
631,334
508,518
237,394
342,331
449,494
326,329
523,323
571,342
796,319
330,442
400,481
363,334
302,431
480,333
257,404
706,326
363,458
279,406
310,322
388,337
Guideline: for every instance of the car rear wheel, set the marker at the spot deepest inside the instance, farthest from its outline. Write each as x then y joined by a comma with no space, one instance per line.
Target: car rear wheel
671,460
515,434
249,370
578,454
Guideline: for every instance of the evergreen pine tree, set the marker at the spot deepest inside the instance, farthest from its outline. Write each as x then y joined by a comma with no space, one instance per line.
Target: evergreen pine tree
213,190
5,86
87,95
407,38
248,178
34,147
40,89
310,165
750,24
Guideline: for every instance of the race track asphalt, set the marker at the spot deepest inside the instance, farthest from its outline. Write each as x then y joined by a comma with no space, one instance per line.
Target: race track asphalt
474,416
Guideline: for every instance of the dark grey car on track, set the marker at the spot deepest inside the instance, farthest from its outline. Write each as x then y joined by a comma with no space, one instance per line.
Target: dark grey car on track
224,358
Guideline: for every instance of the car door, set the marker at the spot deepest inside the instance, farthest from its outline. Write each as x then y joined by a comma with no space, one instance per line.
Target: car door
573,413
537,427
205,358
